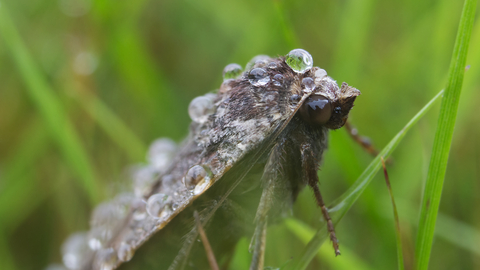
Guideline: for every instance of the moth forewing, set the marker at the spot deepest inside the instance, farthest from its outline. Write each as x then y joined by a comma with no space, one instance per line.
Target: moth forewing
233,135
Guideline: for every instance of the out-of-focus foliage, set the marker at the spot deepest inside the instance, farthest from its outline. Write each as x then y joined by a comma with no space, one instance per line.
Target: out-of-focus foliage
123,72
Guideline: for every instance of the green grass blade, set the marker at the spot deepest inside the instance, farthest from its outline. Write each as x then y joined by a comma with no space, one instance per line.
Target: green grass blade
443,138
324,254
50,107
289,35
466,236
344,202
115,128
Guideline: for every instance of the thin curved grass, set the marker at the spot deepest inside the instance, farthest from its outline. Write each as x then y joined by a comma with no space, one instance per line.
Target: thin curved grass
345,202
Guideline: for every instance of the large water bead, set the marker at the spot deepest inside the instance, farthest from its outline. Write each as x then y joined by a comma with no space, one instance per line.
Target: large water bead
299,60
159,205
200,108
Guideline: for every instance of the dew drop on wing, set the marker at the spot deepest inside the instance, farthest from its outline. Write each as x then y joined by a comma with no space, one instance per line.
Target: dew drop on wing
272,65
200,108
258,61
75,251
309,84
232,71
107,258
161,152
159,205
320,74
278,79
258,77
125,252
143,178
98,237
194,175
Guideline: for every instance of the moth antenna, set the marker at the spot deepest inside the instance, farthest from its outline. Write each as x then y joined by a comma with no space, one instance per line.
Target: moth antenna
363,141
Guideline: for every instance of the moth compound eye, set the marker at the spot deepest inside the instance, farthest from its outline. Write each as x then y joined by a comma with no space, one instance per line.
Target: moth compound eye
316,110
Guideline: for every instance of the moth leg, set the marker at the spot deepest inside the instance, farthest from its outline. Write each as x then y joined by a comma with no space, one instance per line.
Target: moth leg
310,168
208,249
271,183
363,141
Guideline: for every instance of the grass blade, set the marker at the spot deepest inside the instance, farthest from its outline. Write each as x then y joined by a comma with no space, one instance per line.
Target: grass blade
443,138
344,202
113,126
50,108
324,254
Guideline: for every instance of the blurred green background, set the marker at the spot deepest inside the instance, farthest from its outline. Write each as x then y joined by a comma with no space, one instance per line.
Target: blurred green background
86,85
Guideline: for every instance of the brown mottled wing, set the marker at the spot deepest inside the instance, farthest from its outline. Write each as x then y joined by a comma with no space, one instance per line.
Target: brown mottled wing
246,118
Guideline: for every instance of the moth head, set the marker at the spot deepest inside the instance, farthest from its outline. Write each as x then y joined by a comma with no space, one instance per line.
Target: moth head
328,105
325,104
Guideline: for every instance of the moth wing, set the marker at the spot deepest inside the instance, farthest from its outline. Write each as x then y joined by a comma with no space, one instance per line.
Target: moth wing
244,125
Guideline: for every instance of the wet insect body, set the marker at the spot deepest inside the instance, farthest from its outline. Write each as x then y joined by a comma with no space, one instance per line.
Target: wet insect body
259,139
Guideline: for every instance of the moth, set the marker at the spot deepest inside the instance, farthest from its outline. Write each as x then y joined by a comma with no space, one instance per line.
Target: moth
253,145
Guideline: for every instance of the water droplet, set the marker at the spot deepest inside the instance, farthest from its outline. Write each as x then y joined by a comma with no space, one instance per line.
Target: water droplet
107,258
320,74
232,71
299,60
123,202
272,65
211,96
98,237
257,61
103,214
194,175
161,152
200,108
143,179
75,251
278,79
258,77
309,84
197,179
158,205
139,215
125,252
